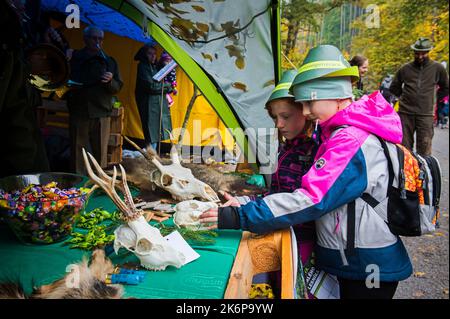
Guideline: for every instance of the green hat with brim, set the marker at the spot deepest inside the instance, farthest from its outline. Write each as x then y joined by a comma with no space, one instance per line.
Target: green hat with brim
325,61
422,45
282,89
324,89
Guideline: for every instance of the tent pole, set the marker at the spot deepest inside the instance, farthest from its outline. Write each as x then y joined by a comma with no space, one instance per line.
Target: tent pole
186,119
160,116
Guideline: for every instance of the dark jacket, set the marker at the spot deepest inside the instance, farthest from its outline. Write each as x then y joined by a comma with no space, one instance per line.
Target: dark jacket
94,98
415,85
23,149
148,99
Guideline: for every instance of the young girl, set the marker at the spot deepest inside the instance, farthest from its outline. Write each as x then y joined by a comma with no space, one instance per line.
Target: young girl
353,242
295,155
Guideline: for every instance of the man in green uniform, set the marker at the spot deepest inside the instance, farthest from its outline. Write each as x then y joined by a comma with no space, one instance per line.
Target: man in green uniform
415,84
90,105
22,148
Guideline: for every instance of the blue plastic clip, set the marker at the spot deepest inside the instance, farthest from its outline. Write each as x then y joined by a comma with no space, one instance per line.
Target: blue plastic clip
127,279
125,271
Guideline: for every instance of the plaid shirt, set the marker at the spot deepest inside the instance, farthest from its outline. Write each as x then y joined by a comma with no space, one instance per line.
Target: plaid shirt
295,157
294,160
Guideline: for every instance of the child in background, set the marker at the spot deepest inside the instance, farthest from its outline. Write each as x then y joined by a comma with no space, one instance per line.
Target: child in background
294,158
353,242
442,110
170,78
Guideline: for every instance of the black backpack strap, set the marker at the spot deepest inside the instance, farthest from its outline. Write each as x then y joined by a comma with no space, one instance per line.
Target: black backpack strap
351,227
351,207
369,199
402,178
390,166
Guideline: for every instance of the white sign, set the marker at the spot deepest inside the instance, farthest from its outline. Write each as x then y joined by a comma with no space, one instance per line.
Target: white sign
164,71
177,242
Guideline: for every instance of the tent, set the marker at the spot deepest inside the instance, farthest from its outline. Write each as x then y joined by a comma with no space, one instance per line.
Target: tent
230,49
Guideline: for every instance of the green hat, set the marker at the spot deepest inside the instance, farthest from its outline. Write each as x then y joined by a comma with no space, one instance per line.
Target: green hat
422,44
282,89
324,89
324,61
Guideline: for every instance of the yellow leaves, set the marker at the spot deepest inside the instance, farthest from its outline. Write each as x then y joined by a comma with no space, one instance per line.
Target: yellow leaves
234,51
230,29
207,56
240,86
419,274
240,63
202,27
237,51
198,8
188,30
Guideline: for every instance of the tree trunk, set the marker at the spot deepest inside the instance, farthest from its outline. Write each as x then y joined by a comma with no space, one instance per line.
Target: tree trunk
291,41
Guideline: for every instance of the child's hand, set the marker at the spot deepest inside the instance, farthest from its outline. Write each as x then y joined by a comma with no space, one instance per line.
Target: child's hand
231,201
210,217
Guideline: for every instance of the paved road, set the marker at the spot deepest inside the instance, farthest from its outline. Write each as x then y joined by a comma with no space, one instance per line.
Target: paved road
429,253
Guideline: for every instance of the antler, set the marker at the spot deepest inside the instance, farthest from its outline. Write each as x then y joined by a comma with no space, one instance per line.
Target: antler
129,210
153,159
174,156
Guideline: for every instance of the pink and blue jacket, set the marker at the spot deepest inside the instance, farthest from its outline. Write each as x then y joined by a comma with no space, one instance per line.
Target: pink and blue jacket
349,162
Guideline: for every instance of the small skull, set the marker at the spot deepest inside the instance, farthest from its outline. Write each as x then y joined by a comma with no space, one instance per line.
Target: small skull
187,213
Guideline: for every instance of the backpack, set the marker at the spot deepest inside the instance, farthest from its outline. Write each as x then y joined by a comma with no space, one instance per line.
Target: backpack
413,206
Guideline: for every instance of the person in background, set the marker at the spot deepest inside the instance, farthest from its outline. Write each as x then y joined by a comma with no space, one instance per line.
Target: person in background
415,85
363,66
90,104
351,237
442,110
384,89
23,150
150,98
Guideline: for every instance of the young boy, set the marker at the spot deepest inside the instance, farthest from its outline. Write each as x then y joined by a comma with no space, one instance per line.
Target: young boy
295,155
353,242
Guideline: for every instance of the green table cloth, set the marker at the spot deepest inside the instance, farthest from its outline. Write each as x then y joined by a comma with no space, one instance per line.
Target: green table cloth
206,277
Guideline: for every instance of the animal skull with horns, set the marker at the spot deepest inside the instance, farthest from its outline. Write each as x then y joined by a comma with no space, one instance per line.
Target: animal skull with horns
176,179
137,236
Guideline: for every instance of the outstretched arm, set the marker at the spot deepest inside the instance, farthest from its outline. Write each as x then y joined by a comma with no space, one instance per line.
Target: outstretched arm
338,177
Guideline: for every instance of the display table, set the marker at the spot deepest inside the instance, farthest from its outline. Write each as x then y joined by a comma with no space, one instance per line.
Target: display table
206,277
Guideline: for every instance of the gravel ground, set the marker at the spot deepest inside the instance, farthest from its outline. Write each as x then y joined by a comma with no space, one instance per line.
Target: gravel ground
429,253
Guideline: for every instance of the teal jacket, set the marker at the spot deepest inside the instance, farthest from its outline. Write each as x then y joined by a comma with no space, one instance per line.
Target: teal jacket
148,95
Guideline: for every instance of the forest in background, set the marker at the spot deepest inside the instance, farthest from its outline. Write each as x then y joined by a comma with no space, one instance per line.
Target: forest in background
380,30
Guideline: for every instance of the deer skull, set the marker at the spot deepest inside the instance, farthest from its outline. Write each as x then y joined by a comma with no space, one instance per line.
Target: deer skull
176,179
139,237
154,254
187,213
